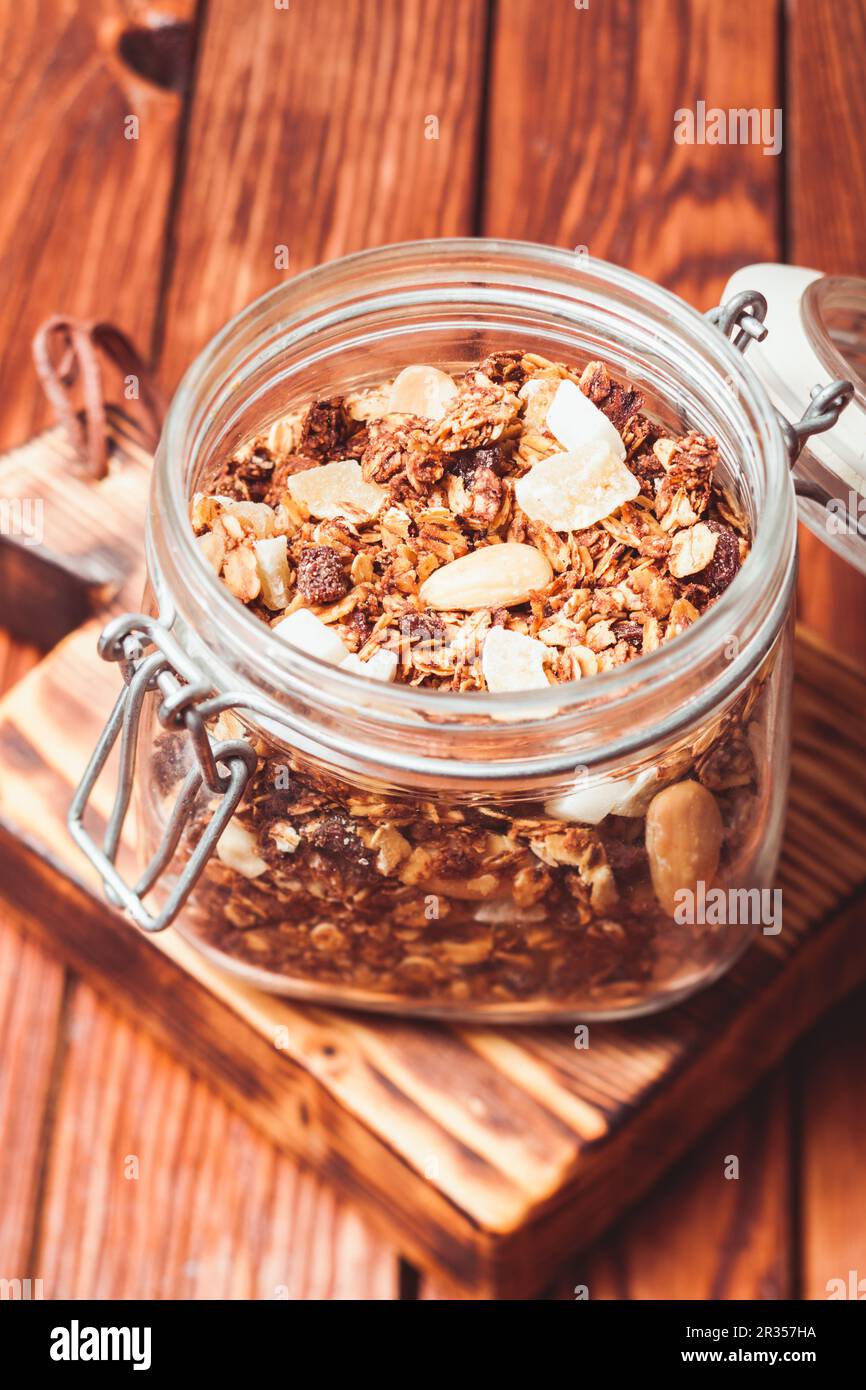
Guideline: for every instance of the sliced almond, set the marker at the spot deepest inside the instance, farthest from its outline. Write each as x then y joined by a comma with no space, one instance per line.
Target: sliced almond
692,550
213,548
337,489
494,576
511,661
577,422
537,394
569,492
419,390
272,562
381,666
309,634
241,574
237,847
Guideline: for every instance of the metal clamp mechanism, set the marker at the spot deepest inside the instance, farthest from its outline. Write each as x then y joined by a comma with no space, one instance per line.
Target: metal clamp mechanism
742,320
184,705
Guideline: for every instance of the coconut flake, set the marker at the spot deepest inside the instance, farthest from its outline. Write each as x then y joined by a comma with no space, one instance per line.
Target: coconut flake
589,804
309,634
574,490
337,489
381,666
511,661
237,847
419,390
272,564
576,422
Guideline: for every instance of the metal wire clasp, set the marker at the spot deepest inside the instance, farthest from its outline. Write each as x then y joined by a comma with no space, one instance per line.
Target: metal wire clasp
741,319
151,659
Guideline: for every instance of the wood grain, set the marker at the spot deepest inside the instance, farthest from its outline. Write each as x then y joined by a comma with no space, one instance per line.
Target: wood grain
309,132
827,215
495,1179
833,1143
707,1234
94,203
594,162
156,1189
599,167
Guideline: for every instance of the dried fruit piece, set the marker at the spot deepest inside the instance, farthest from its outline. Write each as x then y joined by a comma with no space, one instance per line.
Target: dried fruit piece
691,550
494,576
569,492
511,661
381,666
422,391
577,423
725,562
272,563
237,847
321,576
683,840
337,489
309,634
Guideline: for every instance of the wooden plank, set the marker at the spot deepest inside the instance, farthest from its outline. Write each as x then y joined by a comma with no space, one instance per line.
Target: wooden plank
310,132
594,163
827,107
827,214
31,1007
94,203
497,1181
390,75
156,1189
833,1136
708,1234
685,215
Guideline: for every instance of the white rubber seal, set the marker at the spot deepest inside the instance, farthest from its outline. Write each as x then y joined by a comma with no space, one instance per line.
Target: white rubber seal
788,367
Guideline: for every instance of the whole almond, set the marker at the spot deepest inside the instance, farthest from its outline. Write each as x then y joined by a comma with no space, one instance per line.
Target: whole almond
494,576
683,840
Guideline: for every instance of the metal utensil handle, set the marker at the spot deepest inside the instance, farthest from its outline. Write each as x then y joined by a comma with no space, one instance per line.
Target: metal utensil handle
168,670
742,320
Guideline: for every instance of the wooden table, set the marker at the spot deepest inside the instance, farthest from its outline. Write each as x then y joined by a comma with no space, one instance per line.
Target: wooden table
308,127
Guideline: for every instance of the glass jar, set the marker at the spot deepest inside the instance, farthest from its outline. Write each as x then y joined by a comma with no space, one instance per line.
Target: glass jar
596,849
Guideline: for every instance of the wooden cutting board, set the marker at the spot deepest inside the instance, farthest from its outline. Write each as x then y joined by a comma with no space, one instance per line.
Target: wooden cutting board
488,1156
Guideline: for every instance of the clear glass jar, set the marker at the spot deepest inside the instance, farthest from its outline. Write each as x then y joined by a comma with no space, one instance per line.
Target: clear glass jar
413,851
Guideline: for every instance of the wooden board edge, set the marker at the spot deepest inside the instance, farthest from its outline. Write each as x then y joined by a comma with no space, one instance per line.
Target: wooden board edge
829,967
287,1103
95,941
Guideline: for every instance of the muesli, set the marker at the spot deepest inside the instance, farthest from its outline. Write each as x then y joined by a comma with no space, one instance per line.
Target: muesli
522,525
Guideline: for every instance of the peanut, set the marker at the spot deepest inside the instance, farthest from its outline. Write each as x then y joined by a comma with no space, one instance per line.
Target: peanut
683,840
494,576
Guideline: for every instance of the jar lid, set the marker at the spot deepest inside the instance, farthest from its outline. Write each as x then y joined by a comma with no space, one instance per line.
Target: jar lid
817,333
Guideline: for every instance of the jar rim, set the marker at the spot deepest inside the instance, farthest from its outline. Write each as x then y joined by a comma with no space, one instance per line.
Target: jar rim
755,603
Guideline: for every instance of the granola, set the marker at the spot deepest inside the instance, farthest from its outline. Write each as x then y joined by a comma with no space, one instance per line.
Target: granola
637,538
525,525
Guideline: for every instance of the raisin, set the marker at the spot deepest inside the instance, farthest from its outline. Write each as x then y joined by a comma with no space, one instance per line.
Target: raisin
321,577
630,632
247,481
725,563
421,627
468,462
334,836
325,429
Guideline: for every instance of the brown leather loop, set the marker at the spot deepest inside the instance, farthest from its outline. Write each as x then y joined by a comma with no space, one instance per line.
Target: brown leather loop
66,355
